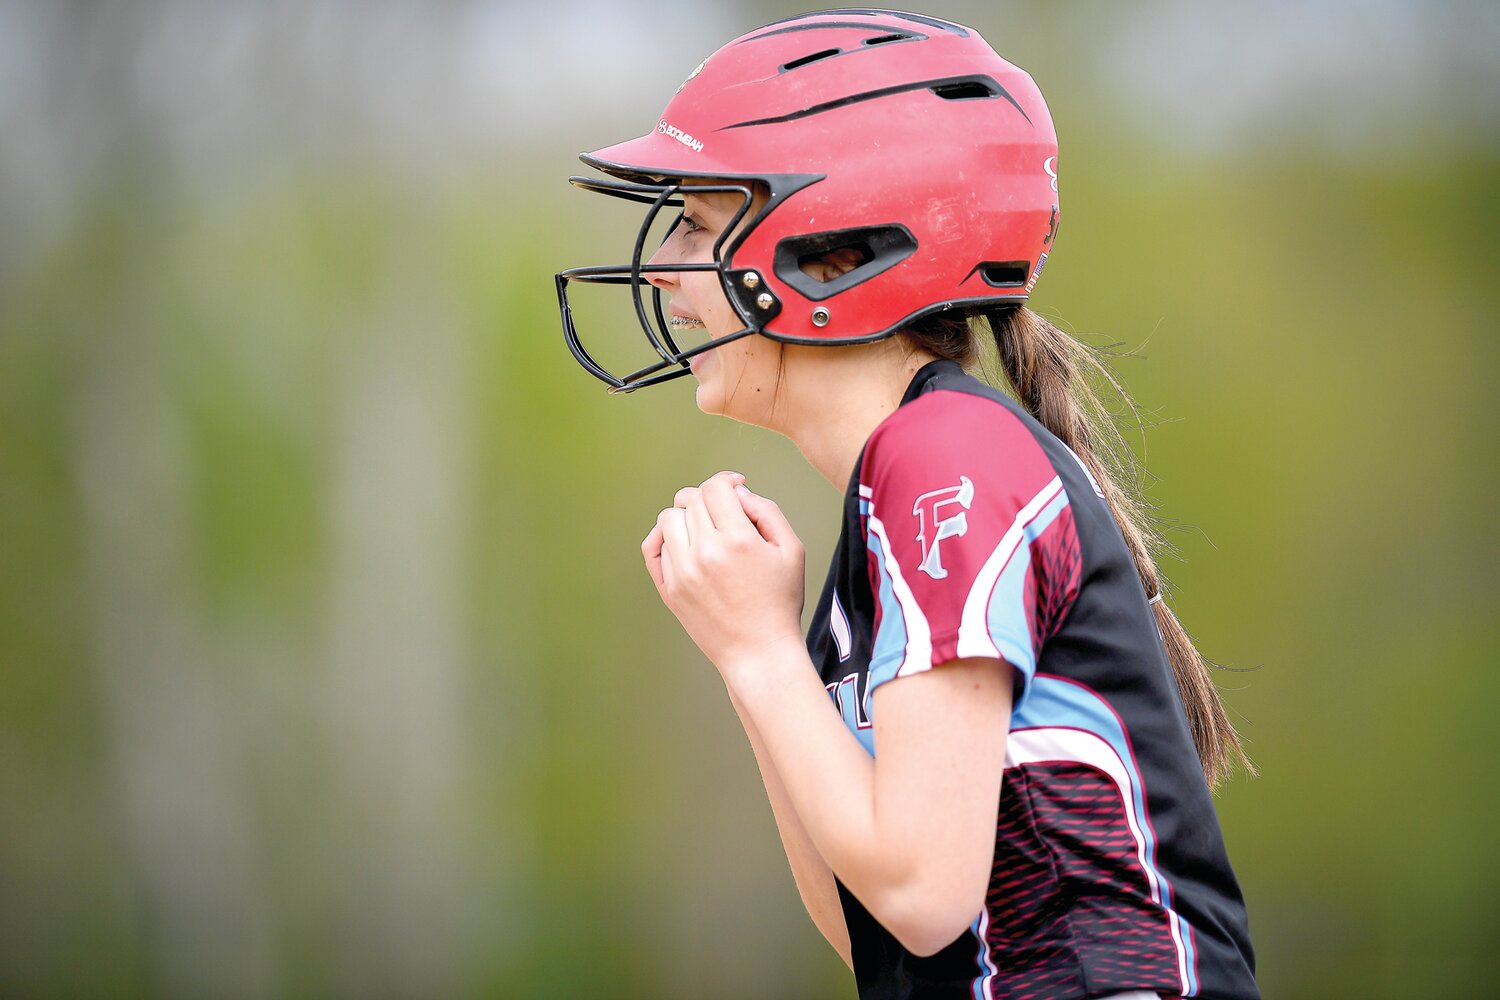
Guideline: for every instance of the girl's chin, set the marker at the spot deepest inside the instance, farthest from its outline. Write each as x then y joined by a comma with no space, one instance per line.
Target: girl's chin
708,399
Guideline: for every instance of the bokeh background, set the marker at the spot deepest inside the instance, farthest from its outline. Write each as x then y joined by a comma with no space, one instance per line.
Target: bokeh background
327,664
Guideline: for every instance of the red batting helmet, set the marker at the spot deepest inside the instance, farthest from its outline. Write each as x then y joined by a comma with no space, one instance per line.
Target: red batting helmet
902,136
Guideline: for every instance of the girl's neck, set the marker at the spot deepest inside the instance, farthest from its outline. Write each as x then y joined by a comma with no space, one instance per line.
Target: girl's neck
837,396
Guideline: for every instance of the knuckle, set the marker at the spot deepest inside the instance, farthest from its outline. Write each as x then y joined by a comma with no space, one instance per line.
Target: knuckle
683,495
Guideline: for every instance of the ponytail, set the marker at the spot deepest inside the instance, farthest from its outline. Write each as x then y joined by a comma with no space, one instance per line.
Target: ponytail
1049,372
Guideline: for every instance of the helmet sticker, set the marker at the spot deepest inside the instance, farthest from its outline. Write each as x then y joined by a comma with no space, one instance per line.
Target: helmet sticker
1050,165
947,215
696,70
1036,274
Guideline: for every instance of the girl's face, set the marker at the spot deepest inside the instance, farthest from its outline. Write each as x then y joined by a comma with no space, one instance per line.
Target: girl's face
739,379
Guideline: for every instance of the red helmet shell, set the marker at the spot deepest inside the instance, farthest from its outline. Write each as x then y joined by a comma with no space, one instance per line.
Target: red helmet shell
909,120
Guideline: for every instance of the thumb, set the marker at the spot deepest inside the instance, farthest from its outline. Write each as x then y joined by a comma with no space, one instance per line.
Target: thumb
766,516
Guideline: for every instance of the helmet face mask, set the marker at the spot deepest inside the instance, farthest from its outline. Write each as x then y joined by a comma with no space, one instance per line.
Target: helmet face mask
743,288
900,143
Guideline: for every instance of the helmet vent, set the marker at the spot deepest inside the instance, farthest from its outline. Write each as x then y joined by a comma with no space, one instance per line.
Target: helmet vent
1003,274
811,58
882,39
980,88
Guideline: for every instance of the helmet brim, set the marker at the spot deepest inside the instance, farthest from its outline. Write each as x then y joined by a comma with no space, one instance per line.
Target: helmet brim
656,155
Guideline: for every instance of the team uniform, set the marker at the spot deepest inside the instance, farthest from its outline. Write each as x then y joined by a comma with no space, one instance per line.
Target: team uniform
971,531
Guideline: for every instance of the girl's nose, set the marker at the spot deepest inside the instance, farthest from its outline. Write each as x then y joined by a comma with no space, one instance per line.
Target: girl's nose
670,252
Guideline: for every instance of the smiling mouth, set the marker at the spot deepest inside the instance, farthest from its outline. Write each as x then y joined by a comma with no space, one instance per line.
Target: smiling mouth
685,323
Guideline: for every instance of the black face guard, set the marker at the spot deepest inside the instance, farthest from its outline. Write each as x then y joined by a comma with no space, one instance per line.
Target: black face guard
755,304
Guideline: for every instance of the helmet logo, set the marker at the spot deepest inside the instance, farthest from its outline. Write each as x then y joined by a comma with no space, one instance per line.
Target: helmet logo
696,145
932,507
1050,165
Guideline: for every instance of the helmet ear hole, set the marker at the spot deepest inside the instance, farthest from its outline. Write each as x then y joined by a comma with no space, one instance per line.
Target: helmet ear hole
826,267
821,265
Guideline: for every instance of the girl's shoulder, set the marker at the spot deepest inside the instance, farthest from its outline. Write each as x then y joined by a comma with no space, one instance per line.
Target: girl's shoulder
952,423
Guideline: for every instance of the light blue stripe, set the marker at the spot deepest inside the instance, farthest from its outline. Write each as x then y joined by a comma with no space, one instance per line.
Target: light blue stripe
890,638
848,702
1005,615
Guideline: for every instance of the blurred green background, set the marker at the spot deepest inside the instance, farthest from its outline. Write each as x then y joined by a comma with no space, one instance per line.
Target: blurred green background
327,663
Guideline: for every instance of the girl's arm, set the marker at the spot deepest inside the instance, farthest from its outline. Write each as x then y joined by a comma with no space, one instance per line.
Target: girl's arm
810,872
914,838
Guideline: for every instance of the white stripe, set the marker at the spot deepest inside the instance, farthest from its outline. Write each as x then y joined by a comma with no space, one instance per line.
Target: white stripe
918,632
866,491
974,629
838,624
1032,746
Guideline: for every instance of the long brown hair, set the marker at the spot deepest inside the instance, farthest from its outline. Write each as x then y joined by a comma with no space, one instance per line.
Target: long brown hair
1052,375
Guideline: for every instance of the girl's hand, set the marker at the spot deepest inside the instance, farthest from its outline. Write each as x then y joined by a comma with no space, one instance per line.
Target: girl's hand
729,566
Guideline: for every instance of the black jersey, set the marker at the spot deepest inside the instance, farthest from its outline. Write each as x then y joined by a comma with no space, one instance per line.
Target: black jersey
970,530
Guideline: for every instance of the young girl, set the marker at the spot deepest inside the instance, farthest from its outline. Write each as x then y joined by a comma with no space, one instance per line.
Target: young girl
982,770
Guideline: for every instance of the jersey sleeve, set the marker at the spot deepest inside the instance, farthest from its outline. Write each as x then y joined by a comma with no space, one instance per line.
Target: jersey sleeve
972,546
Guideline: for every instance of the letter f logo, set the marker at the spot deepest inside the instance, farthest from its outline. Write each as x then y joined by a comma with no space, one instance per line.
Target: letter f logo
936,520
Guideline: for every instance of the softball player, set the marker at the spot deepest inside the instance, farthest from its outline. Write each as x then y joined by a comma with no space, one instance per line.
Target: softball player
989,760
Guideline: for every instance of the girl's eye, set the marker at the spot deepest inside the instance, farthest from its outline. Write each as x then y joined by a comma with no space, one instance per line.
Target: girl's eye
690,226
